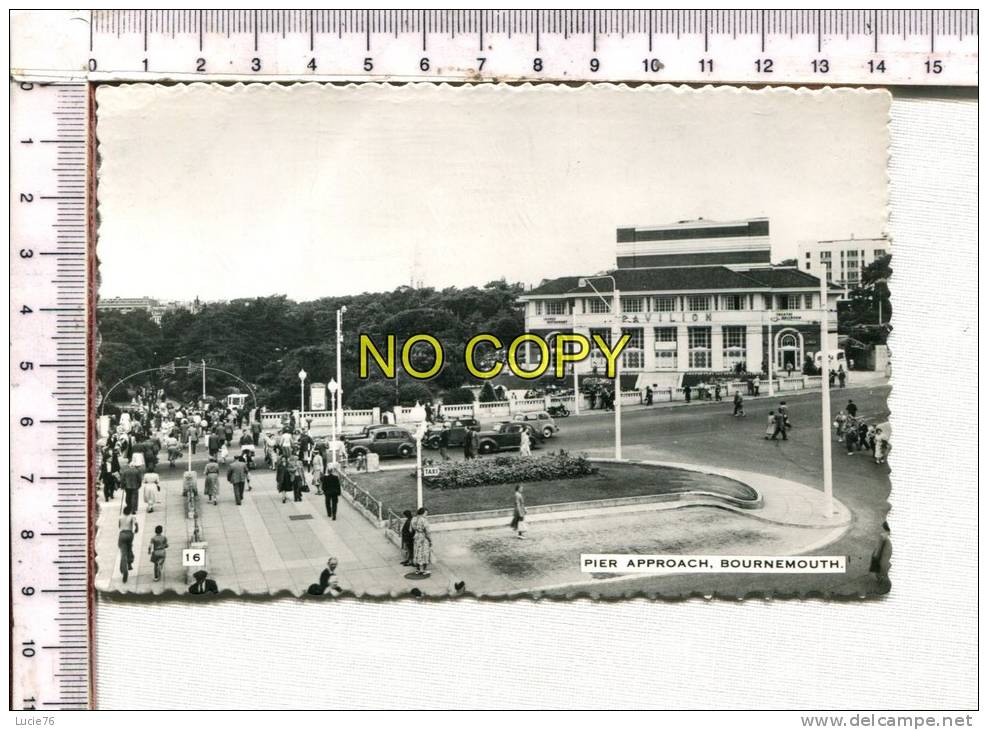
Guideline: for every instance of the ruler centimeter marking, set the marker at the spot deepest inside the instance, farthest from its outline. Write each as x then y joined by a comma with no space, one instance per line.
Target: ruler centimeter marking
49,398
870,47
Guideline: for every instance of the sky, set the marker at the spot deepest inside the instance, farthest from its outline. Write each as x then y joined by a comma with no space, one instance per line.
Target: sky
308,190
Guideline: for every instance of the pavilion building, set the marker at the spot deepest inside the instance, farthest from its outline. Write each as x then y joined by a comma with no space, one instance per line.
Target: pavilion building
696,297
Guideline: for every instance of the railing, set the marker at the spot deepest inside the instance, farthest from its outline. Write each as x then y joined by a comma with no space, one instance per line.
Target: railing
392,528
368,505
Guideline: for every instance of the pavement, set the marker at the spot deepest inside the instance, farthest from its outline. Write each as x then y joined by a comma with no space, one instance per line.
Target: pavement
257,548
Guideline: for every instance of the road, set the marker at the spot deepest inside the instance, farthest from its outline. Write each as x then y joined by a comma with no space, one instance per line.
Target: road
707,434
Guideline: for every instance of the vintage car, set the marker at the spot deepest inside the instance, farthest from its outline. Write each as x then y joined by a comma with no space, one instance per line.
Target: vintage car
507,436
389,441
365,432
457,428
540,421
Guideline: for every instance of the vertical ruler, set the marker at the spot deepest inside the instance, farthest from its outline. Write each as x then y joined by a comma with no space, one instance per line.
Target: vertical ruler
49,497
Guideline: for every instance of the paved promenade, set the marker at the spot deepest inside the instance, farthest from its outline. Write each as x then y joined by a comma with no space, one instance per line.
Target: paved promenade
262,546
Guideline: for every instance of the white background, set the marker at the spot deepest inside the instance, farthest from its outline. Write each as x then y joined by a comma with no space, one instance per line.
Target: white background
914,649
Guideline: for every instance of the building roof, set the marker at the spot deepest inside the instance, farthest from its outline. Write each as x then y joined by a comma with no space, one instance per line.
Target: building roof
782,277
694,278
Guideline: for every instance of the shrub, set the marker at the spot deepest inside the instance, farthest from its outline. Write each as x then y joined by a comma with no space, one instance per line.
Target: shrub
505,468
458,396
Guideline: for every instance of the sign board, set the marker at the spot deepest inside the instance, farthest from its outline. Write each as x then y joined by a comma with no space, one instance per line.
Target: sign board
317,397
430,471
194,558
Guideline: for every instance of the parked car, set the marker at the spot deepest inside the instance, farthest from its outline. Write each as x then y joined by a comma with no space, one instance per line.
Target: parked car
457,429
365,432
507,436
541,421
388,441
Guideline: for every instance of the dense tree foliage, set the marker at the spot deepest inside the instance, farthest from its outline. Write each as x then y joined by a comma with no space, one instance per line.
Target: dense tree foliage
866,315
267,340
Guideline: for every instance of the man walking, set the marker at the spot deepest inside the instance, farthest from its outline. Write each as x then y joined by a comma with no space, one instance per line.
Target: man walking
687,393
332,489
468,443
852,409
213,444
841,376
474,443
237,476
780,426
444,442
738,403
132,477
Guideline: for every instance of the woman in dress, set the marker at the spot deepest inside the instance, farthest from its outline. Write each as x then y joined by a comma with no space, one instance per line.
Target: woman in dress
150,487
421,542
212,485
526,444
283,477
157,548
770,428
318,468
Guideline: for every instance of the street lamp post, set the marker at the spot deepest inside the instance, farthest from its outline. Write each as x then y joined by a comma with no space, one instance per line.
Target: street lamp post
615,308
337,421
828,475
302,375
771,357
419,435
203,363
576,378
333,387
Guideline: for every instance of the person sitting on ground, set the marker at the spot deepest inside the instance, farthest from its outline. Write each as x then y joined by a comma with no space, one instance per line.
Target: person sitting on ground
204,584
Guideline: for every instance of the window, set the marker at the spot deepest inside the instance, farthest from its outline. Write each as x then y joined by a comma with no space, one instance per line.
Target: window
825,255
664,304
852,254
807,301
735,346
538,307
736,301
791,301
698,339
807,254
556,306
632,304
666,348
633,354
879,252
767,300
600,306
807,265
698,303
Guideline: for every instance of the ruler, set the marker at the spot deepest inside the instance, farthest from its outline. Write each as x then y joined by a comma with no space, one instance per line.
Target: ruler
49,499
870,47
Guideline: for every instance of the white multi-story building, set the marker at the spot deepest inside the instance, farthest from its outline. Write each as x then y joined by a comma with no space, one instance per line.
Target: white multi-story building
154,307
844,260
696,296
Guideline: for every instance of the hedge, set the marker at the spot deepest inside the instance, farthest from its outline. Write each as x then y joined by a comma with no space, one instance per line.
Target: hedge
505,468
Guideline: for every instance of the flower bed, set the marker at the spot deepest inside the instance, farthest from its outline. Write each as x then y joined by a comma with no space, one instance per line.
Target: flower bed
504,469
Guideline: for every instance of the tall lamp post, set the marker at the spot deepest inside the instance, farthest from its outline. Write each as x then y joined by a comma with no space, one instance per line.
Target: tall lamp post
576,378
615,308
333,387
828,475
337,421
302,375
418,414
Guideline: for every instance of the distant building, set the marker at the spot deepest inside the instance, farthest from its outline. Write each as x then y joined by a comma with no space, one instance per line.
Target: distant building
843,260
154,307
695,296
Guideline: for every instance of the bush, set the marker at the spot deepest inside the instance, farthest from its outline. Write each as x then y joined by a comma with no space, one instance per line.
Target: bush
458,397
372,395
487,393
505,468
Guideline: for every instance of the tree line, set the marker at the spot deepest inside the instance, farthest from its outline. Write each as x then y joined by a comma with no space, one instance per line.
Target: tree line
267,340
